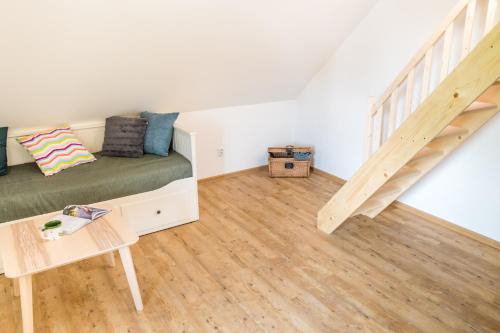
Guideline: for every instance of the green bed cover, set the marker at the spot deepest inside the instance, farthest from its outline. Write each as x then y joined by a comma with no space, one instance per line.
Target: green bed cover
26,192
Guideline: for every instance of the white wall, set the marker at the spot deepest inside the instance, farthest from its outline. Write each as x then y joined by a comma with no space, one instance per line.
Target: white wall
333,107
244,132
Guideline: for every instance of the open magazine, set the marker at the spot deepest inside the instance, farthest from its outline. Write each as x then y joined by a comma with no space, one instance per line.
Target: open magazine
73,218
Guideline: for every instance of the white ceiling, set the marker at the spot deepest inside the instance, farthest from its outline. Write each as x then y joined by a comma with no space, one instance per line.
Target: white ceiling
64,61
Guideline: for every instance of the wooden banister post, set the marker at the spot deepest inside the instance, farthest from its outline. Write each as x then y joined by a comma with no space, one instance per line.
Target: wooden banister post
410,84
378,127
393,112
469,25
490,15
448,38
369,131
426,78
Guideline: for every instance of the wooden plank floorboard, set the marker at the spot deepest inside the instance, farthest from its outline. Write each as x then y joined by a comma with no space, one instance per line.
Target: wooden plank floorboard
419,298
257,263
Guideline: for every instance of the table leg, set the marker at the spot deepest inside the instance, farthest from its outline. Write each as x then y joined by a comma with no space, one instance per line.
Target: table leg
26,303
128,265
16,287
110,259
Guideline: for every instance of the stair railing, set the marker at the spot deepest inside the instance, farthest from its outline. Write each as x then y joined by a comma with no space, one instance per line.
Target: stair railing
386,115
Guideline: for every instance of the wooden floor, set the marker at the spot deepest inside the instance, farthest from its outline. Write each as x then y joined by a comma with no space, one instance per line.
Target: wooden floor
256,263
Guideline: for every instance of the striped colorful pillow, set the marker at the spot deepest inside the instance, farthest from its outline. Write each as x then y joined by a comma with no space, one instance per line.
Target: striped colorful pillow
55,150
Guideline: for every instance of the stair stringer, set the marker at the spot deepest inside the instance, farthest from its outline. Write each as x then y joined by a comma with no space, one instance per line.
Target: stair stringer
470,79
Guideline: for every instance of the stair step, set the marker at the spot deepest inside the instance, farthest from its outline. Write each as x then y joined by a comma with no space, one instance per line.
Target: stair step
369,206
403,174
377,200
388,190
452,131
427,153
480,106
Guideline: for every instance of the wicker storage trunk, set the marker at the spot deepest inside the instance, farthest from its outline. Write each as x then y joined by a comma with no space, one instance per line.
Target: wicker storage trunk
282,162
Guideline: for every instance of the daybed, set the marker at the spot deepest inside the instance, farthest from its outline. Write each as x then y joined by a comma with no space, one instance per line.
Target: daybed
152,192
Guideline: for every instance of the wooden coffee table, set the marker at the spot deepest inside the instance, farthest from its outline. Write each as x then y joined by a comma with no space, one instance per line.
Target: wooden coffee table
25,252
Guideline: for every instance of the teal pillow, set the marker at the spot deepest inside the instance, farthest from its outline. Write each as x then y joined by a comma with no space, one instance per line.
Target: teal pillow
3,151
159,132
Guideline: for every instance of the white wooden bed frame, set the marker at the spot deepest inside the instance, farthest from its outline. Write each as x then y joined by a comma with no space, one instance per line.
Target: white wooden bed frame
167,207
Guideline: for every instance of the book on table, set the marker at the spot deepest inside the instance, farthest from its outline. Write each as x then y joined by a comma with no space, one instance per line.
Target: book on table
73,218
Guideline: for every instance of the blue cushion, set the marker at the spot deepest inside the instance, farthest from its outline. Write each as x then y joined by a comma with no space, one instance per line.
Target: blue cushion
159,132
3,151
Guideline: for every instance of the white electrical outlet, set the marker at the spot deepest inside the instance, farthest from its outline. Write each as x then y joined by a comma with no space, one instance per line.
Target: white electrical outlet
220,152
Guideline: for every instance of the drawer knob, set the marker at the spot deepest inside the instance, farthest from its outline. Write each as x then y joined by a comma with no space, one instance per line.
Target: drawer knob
158,212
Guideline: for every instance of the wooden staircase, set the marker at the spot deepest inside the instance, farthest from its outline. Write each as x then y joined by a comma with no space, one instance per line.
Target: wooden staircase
466,99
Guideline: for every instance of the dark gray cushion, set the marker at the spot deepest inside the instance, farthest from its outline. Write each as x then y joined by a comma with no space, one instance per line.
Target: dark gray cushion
124,137
3,151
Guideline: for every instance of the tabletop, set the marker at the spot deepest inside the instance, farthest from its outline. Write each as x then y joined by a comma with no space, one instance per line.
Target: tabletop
25,252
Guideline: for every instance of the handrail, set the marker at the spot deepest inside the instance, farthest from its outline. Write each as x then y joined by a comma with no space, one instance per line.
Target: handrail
425,55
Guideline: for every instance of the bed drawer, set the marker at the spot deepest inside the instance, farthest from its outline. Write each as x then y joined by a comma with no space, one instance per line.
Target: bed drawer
161,212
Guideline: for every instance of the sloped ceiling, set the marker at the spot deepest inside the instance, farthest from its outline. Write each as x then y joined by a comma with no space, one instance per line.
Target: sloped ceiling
64,61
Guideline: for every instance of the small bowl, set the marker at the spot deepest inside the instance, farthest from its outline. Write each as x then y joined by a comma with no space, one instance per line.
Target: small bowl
52,234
